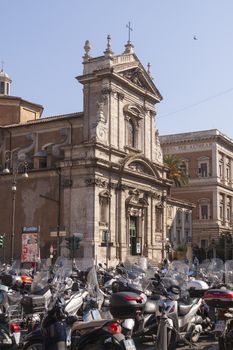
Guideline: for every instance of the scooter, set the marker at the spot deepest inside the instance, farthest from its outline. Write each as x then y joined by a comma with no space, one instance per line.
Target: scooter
60,332
180,317
221,300
9,334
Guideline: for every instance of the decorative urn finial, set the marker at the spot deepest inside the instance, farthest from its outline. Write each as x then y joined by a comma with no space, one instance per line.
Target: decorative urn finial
87,49
108,52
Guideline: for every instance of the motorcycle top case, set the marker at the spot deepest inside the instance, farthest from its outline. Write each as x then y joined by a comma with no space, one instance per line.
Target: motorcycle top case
33,304
7,280
197,288
221,298
124,305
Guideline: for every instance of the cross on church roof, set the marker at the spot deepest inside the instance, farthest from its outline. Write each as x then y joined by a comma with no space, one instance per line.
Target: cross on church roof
2,64
130,30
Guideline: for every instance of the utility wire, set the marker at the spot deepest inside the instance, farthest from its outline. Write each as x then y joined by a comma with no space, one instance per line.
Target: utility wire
198,103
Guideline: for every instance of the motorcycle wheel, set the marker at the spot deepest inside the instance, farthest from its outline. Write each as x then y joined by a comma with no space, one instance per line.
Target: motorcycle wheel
33,345
195,337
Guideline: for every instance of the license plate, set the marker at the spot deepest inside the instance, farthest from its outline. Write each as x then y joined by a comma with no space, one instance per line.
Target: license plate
17,337
220,326
129,344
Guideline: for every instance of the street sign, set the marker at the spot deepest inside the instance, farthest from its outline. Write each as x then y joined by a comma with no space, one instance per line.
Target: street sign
30,229
138,248
54,233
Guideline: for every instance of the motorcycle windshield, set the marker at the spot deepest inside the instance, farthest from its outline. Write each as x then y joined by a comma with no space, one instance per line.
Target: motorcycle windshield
40,282
214,271
61,272
229,273
133,276
179,270
45,264
93,286
177,274
14,269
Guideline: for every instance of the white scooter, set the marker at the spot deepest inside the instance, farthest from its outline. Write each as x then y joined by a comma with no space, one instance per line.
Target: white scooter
178,318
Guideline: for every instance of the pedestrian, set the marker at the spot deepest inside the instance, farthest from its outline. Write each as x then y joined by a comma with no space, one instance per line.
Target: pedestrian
196,263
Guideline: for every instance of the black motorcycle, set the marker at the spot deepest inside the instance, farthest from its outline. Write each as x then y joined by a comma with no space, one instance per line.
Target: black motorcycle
9,334
60,331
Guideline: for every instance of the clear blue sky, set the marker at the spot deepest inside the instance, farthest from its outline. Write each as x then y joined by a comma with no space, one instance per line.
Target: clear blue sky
42,42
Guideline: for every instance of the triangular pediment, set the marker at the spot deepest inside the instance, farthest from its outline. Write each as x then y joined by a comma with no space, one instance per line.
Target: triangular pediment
130,68
138,77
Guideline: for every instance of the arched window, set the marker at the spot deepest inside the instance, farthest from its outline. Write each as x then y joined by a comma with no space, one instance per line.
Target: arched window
131,134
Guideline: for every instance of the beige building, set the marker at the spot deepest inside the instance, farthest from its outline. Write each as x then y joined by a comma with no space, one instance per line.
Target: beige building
207,159
179,223
98,174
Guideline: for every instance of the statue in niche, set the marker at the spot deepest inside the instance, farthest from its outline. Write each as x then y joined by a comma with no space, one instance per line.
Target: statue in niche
158,149
100,111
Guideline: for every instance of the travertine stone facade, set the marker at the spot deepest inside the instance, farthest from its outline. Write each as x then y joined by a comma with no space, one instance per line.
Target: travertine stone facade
207,158
98,173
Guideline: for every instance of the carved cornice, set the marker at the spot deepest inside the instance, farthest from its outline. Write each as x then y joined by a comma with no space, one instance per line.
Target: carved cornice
96,182
123,187
131,211
106,91
99,182
120,95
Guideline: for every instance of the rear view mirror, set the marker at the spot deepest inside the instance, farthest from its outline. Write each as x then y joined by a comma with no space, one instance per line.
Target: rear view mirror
156,280
115,287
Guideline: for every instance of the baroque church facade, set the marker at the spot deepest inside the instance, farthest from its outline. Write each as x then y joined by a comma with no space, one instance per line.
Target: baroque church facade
98,173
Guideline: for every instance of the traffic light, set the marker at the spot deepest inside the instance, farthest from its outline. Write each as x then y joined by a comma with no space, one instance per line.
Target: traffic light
77,242
1,241
69,242
73,243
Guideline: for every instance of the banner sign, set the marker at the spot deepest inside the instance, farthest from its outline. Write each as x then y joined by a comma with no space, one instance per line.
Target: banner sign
30,247
30,229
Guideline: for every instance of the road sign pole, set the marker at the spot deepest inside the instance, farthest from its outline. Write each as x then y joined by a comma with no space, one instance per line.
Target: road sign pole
73,241
4,247
58,240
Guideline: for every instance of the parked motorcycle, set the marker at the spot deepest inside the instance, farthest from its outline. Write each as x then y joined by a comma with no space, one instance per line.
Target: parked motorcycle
60,331
177,310
221,300
9,333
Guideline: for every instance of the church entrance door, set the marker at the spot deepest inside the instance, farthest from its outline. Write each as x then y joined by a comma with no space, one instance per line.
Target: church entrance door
133,236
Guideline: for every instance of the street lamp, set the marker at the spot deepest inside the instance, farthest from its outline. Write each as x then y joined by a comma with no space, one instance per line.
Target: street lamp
163,207
58,201
16,166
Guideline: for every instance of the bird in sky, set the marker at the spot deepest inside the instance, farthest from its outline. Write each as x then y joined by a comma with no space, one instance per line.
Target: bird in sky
194,37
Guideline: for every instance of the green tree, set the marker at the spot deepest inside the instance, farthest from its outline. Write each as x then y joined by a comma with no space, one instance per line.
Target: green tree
176,170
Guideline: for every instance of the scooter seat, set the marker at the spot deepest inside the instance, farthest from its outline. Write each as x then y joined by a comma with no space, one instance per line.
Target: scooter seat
79,326
184,308
150,307
12,299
